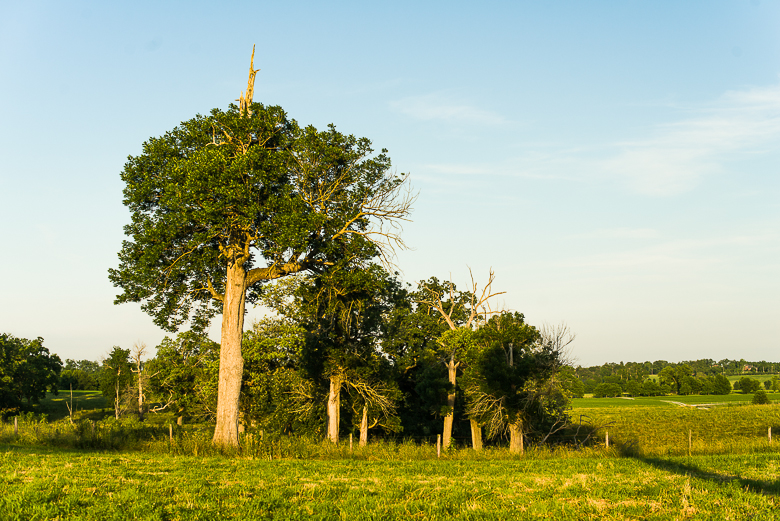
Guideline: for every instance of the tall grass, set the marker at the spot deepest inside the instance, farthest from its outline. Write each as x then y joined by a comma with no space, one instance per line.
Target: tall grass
633,431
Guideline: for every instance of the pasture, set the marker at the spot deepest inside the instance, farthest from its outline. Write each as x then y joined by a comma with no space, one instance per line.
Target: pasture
132,470
41,483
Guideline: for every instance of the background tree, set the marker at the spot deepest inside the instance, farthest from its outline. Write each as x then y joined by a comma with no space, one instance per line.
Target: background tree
226,202
80,375
27,371
181,377
116,377
749,385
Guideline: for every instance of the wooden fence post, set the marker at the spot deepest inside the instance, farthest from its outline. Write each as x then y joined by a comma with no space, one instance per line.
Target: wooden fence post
438,445
690,442
16,426
170,431
769,434
350,442
606,439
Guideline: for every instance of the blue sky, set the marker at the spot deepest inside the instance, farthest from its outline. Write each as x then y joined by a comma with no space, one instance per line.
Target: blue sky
616,163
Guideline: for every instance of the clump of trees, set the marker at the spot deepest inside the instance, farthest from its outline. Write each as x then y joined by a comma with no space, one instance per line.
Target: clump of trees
27,372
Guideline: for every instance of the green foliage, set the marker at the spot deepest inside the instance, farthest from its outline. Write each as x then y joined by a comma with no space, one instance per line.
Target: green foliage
748,385
515,377
183,375
760,398
606,390
116,376
276,394
721,385
27,371
232,188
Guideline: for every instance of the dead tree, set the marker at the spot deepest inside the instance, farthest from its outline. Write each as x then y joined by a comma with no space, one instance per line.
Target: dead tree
446,303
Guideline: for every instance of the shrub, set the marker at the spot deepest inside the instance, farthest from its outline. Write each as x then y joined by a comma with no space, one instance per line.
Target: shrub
760,398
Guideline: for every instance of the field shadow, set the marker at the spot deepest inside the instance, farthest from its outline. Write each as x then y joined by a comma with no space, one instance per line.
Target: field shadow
688,469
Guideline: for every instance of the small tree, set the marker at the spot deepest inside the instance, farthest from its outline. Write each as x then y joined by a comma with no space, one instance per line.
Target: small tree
141,377
760,398
116,377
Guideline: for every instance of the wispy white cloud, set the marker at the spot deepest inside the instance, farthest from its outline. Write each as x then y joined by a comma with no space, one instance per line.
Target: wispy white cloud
434,107
678,155
691,253
621,233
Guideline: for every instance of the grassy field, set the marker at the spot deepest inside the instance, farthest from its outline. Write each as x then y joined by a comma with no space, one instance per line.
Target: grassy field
134,470
55,484
667,401
665,430
86,404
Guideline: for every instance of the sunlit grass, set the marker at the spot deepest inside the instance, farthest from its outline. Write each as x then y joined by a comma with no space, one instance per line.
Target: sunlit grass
47,483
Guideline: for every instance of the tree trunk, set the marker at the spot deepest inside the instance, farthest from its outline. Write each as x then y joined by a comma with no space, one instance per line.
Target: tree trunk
476,435
364,427
140,395
116,403
516,437
231,364
452,368
334,408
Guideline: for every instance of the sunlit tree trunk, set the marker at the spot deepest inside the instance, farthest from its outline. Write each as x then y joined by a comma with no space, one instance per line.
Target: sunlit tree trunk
364,427
476,435
446,437
231,363
334,408
516,437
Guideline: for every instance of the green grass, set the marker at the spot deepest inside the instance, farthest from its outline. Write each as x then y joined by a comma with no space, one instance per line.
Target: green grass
86,404
761,377
665,430
666,401
48,484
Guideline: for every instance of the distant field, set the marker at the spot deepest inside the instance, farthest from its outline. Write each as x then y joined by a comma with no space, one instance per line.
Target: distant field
665,401
88,403
51,484
725,428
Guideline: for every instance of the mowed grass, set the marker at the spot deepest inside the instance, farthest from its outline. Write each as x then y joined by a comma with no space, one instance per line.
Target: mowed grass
55,484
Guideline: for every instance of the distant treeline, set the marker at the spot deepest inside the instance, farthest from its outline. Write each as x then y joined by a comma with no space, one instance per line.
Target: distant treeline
705,376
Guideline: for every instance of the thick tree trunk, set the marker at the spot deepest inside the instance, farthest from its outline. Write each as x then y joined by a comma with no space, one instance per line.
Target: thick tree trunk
334,408
231,364
516,437
446,437
364,427
476,435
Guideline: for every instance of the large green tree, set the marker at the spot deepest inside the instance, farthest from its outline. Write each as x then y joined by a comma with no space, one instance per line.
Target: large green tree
225,202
